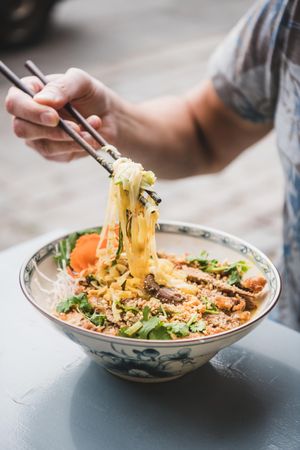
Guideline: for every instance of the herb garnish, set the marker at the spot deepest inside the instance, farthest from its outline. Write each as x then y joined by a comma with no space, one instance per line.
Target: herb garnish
65,247
198,327
234,271
81,303
210,307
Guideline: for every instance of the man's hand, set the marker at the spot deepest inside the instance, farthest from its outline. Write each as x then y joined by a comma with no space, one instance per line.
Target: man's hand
174,136
35,120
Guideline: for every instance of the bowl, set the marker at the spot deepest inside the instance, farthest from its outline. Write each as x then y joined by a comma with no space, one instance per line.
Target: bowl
154,360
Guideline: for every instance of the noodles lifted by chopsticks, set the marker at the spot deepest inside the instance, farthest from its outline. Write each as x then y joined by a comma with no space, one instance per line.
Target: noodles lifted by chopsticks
129,225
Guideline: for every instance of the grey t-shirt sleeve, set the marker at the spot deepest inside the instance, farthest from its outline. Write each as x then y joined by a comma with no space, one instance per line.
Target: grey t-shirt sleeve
245,68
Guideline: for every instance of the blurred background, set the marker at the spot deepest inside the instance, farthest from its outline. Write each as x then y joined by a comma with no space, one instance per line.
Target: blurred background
141,49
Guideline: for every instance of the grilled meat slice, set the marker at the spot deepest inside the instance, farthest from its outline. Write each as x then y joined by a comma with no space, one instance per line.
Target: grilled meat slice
198,276
163,293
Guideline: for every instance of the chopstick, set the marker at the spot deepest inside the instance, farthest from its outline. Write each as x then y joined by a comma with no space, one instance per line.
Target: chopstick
114,153
15,80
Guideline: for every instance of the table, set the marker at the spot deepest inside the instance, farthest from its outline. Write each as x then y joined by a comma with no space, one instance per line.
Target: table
52,397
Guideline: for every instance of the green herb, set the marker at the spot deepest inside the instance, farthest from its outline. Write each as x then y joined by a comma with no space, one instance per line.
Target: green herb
149,325
92,280
192,319
85,307
81,303
67,305
210,307
160,333
132,330
97,319
198,327
181,329
163,311
146,312
127,308
234,271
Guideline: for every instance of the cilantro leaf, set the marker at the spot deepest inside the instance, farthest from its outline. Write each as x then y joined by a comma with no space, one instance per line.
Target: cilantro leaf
181,329
160,333
210,307
127,308
97,319
198,327
67,305
148,326
79,301
234,271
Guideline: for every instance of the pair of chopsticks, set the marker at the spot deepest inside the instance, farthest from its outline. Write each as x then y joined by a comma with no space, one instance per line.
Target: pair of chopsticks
113,152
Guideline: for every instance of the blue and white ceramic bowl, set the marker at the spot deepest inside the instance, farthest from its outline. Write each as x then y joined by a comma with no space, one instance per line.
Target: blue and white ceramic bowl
154,361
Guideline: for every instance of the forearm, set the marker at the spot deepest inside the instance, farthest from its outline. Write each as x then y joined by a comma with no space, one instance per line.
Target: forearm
174,136
185,136
163,135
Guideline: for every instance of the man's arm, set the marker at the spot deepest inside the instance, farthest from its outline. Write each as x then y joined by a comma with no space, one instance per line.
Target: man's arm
189,135
175,136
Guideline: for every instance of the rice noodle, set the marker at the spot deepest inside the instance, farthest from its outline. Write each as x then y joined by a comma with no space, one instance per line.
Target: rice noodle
137,221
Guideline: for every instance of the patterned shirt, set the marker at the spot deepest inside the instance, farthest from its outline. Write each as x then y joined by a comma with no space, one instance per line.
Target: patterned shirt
256,72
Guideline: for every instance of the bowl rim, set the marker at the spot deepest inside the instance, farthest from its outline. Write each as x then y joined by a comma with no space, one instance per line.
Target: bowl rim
156,342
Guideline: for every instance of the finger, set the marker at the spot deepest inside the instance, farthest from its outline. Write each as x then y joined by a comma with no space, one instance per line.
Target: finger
64,153
51,149
27,130
95,121
74,84
21,105
33,84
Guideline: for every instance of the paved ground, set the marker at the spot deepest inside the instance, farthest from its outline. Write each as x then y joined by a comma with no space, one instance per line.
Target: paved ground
141,49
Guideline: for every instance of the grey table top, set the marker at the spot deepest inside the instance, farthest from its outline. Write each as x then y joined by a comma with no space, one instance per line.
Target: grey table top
53,397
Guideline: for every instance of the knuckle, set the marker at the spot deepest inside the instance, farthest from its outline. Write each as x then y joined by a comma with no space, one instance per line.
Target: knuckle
81,77
19,128
74,71
10,101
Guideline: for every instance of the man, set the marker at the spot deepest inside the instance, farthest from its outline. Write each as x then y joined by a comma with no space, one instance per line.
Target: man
254,87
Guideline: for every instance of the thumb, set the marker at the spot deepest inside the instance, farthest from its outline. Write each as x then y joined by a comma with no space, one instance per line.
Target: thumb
74,84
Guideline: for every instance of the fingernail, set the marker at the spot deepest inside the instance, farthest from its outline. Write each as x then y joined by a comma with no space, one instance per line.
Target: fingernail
49,118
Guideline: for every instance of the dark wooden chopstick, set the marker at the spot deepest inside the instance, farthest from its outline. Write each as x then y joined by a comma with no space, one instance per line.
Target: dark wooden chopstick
114,153
15,80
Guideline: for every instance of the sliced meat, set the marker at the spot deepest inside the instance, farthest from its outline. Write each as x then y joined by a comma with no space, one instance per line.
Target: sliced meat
250,303
163,293
242,316
239,304
225,303
198,276
230,303
254,284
